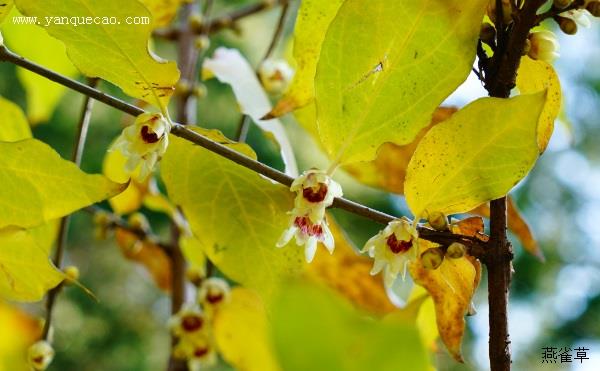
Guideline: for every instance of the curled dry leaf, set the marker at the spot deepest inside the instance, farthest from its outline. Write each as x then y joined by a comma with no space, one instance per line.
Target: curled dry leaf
347,272
451,286
148,254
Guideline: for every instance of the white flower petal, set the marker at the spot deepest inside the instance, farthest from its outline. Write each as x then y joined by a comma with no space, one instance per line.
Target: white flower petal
311,249
287,236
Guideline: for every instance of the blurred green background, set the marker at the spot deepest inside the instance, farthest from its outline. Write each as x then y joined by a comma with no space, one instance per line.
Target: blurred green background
556,303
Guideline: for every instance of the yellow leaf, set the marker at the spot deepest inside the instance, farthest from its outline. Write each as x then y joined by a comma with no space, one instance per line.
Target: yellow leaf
517,225
314,17
193,251
38,185
19,331
33,43
347,272
388,170
315,329
163,11
536,76
27,273
241,332
117,53
451,286
5,7
477,155
148,254
14,124
236,215
384,68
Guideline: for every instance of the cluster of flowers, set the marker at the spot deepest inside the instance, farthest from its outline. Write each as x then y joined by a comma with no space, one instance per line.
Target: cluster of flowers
191,327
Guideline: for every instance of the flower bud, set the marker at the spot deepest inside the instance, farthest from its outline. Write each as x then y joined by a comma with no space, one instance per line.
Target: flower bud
202,42
567,25
183,87
196,21
456,250
213,291
561,4
40,355
72,273
544,46
101,218
593,8
275,75
139,222
438,221
487,34
199,91
432,258
195,275
506,11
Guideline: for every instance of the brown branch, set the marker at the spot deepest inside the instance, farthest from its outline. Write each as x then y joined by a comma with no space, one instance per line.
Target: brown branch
63,231
553,12
500,80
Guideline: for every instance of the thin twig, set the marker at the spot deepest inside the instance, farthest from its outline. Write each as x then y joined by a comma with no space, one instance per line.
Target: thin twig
63,231
225,21
192,136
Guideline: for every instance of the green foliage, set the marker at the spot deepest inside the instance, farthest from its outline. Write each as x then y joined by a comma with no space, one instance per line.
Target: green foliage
235,214
383,85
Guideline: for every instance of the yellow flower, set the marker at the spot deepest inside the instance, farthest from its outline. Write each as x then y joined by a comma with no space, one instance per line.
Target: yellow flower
144,143
392,248
544,46
188,321
213,292
315,192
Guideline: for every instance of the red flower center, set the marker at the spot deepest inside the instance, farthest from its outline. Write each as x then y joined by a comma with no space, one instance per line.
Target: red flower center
191,323
201,352
398,246
305,225
214,297
315,194
148,136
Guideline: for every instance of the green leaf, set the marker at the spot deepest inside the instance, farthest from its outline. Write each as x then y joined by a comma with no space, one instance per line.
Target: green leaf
115,52
33,43
14,124
236,215
315,330
477,155
386,66
314,17
38,185
533,77
5,7
25,270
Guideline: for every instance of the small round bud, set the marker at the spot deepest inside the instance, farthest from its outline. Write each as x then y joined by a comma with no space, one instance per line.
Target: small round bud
487,34
101,218
438,221
567,25
183,87
561,4
594,8
138,221
200,91
195,275
544,46
275,75
202,42
432,258
456,250
506,11
196,21
213,291
72,273
40,355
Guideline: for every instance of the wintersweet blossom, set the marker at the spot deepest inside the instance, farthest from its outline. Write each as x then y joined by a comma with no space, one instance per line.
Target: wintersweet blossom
144,143
392,248
190,320
213,292
315,192
40,355
544,46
